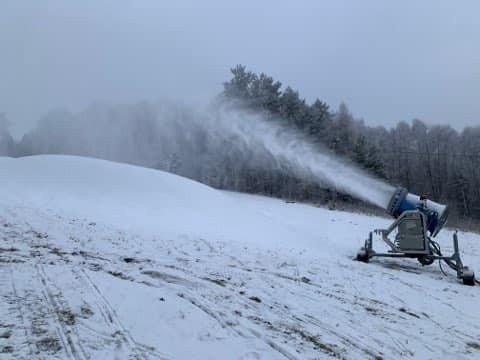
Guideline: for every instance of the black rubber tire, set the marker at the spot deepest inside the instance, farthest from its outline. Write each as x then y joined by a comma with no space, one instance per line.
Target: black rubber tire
470,280
425,261
362,256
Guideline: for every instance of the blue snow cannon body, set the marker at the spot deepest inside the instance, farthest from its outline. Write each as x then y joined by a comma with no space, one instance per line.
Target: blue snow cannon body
436,214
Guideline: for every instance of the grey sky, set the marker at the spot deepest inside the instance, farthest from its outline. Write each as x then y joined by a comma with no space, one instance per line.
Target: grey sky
388,60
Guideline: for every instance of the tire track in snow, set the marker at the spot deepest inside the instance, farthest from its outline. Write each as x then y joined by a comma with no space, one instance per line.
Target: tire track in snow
70,343
207,306
29,304
207,309
296,321
279,312
108,313
67,333
7,279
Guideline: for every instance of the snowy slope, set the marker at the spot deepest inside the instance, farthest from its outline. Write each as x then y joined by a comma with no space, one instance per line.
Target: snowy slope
100,260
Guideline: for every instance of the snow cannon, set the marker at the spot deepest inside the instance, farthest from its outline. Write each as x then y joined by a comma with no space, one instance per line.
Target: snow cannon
417,221
436,214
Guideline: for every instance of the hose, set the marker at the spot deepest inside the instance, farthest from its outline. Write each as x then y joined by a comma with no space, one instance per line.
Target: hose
441,268
435,248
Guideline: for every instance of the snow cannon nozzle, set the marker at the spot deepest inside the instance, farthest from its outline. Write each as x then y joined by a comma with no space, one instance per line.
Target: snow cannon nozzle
436,214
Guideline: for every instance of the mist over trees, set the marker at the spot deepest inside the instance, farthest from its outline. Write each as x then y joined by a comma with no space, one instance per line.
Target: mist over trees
6,141
437,160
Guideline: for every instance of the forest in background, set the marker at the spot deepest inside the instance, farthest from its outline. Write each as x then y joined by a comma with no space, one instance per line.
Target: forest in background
437,160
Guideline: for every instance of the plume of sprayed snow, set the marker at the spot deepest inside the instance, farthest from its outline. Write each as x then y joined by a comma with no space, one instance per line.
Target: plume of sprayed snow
196,142
304,158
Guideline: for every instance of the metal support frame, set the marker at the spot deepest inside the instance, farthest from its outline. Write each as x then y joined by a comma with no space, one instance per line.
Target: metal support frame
426,256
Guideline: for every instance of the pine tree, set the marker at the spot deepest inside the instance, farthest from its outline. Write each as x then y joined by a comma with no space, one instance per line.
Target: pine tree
239,86
320,116
360,151
265,93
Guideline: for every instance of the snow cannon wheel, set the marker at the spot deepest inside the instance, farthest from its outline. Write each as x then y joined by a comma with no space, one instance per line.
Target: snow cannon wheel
424,260
362,255
468,277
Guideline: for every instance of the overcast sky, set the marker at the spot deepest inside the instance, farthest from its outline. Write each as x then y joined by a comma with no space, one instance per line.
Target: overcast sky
388,60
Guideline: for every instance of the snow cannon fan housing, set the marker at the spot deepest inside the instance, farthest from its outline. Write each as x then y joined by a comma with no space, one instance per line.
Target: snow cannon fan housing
436,214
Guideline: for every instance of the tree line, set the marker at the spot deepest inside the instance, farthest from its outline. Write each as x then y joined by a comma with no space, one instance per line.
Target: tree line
437,160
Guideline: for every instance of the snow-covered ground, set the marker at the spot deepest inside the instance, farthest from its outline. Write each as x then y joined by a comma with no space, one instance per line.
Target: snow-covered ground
100,260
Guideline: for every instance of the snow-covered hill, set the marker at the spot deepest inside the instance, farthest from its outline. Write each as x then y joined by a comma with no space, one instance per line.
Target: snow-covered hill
100,260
